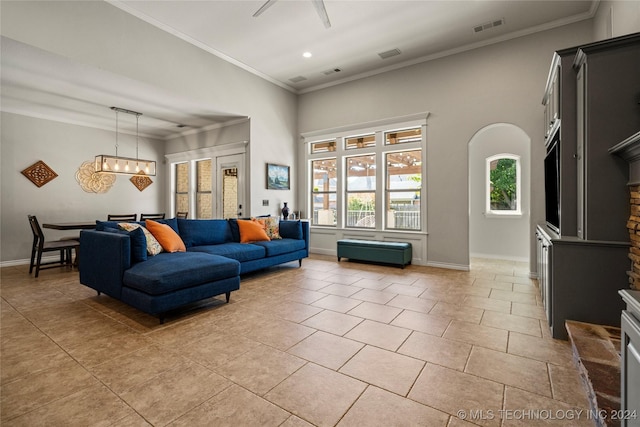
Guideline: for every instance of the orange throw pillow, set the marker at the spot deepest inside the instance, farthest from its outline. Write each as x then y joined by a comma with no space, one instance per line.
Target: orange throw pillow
251,231
168,238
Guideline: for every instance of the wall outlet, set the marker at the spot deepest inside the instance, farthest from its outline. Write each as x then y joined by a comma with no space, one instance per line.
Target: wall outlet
265,202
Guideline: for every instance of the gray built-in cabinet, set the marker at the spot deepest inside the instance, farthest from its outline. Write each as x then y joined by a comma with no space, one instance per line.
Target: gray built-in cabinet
591,104
630,363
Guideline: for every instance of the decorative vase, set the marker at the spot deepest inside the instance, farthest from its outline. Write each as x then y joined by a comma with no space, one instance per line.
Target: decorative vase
285,211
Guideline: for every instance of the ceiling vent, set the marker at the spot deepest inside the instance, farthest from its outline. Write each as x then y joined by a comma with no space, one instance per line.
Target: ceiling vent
332,71
487,25
389,53
298,79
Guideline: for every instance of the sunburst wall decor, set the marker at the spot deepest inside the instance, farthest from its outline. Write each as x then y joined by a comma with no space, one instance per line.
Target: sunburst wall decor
92,181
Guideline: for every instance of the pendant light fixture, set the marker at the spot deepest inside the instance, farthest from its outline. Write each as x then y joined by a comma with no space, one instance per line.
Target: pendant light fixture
125,165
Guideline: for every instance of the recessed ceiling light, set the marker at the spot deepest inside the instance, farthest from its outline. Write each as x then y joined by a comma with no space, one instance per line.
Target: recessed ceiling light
307,54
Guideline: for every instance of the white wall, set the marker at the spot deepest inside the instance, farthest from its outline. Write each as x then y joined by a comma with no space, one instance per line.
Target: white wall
100,35
496,236
64,147
616,18
463,93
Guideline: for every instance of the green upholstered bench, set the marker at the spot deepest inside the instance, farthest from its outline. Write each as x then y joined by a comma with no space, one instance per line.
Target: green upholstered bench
376,251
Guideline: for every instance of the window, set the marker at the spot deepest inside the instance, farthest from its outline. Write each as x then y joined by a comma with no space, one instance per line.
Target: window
204,194
503,185
361,191
362,141
404,184
324,191
182,187
368,177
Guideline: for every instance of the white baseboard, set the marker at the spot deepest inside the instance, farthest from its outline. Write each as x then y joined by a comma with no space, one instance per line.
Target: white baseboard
17,262
504,257
448,265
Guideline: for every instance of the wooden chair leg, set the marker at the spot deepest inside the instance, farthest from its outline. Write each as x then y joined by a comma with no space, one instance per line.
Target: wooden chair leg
33,258
39,259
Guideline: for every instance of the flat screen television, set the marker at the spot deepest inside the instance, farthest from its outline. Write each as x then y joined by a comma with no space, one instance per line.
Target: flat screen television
552,184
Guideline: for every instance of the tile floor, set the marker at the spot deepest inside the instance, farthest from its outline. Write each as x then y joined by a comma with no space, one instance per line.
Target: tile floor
345,344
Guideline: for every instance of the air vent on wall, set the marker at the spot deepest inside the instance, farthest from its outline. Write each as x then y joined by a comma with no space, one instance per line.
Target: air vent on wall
389,53
298,79
487,25
329,72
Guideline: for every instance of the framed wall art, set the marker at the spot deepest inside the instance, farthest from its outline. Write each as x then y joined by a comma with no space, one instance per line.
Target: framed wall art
278,177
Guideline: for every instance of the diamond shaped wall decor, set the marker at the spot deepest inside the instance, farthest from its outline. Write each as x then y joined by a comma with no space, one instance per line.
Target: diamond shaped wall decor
141,181
39,173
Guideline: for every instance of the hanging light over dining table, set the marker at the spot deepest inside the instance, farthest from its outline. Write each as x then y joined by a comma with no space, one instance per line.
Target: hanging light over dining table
125,165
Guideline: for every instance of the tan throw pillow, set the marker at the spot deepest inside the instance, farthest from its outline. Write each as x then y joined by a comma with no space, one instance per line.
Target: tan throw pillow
153,246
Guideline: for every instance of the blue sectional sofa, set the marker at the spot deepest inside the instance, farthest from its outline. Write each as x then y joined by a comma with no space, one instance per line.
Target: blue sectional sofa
113,262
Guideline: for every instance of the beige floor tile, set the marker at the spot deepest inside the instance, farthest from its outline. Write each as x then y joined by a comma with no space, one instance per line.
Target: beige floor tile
528,288
294,312
260,369
316,394
342,279
508,369
520,297
403,279
528,310
159,403
480,335
490,283
427,323
374,284
408,290
294,421
337,303
522,408
452,391
454,311
33,391
372,295
217,349
377,312
422,305
567,386
325,349
385,369
234,407
95,405
515,279
379,334
304,296
280,334
511,322
452,354
333,322
310,284
557,352
99,350
126,372
340,290
487,304
377,407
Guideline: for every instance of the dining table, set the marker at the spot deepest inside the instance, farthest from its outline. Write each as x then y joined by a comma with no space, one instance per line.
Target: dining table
75,225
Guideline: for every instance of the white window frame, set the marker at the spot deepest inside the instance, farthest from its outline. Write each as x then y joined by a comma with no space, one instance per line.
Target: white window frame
341,154
503,213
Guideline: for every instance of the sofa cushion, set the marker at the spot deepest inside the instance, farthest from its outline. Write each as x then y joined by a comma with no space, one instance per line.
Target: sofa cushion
167,272
291,229
196,232
251,231
153,246
169,239
138,242
283,246
238,251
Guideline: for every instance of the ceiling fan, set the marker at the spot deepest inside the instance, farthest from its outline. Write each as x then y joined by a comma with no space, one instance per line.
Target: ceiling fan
318,4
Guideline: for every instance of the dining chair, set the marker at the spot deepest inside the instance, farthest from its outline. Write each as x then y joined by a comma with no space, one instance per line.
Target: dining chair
122,217
152,216
182,215
40,246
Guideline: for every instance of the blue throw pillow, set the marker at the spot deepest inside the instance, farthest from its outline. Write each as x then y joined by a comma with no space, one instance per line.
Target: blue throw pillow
138,242
291,229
